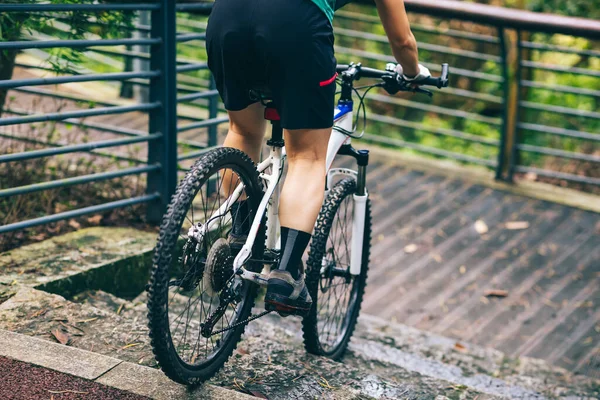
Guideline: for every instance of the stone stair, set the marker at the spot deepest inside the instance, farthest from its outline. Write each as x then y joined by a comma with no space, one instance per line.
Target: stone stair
385,360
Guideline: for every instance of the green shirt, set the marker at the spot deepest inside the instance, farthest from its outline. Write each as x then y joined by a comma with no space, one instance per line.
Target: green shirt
326,6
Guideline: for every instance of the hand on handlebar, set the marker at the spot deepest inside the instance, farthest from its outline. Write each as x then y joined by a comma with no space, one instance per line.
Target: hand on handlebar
423,74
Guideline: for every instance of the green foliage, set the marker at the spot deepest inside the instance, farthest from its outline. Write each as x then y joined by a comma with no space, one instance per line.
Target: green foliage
574,8
106,24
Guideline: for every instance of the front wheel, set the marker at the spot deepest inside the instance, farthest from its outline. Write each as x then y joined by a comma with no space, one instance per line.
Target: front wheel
337,295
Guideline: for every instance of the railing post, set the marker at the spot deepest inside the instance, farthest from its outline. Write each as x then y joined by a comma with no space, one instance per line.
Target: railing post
163,89
506,94
514,154
511,63
213,111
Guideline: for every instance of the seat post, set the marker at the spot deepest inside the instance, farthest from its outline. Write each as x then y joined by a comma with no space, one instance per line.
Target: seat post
272,115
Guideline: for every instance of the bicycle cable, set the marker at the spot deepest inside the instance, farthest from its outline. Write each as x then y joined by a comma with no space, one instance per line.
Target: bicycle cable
358,110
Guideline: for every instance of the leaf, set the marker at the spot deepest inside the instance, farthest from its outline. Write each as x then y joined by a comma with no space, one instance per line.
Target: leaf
95,219
496,293
243,351
516,225
460,347
258,394
462,270
411,248
74,224
61,336
481,227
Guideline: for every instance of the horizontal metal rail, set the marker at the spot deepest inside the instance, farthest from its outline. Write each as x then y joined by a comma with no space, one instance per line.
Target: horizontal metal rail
456,71
115,76
436,109
427,149
79,7
559,175
552,130
94,152
420,28
559,153
202,7
77,148
79,212
77,180
203,124
560,110
435,130
560,88
560,49
77,114
196,96
422,45
560,68
192,67
46,44
188,37
195,154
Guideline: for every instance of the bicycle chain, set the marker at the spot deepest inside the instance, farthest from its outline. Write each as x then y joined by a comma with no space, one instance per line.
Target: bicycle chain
247,321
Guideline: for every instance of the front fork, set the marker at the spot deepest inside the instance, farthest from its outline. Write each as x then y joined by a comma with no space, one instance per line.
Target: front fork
358,225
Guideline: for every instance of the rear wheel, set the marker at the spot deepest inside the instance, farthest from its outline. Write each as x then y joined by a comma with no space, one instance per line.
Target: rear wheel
194,300
337,295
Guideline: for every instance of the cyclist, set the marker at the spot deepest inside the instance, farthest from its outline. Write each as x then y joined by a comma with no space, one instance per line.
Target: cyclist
287,46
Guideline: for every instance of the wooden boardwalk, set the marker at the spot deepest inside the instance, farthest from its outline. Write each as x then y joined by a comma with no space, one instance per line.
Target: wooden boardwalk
446,258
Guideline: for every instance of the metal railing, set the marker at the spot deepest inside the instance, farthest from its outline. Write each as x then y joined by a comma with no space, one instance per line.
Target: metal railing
168,79
497,112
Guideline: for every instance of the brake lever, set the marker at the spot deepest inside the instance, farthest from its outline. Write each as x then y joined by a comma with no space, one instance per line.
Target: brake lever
425,91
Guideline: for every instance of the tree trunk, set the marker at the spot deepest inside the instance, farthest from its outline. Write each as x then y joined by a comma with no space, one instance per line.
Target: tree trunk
7,65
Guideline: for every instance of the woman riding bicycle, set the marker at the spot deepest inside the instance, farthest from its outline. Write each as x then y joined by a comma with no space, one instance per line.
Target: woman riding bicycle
286,47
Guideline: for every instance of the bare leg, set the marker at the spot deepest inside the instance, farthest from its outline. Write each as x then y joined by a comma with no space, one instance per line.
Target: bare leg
246,133
247,130
302,194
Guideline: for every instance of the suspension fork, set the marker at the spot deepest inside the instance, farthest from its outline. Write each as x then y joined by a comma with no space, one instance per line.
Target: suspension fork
360,206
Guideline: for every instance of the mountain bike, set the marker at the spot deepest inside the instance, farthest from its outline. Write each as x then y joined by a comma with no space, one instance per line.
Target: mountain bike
202,289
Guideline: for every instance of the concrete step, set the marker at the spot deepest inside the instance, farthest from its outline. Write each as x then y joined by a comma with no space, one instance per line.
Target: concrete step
270,361
385,360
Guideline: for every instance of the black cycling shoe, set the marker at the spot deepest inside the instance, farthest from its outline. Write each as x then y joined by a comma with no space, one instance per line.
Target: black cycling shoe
286,295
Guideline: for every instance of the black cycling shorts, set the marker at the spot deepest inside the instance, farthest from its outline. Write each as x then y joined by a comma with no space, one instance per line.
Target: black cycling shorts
283,45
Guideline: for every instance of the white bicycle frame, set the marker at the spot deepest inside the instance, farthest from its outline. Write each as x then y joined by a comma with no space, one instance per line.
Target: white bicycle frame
270,204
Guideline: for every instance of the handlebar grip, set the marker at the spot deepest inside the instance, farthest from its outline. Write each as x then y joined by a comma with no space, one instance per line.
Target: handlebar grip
440,82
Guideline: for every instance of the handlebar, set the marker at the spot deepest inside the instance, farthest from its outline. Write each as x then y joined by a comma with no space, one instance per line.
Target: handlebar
357,71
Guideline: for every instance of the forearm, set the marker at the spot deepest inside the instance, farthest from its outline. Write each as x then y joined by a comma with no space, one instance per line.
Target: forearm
404,46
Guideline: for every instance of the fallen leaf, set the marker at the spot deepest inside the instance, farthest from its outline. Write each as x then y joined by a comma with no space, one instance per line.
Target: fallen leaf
459,347
130,345
516,225
258,394
462,270
74,224
95,219
496,293
481,227
437,258
411,248
243,351
61,336
66,391
83,321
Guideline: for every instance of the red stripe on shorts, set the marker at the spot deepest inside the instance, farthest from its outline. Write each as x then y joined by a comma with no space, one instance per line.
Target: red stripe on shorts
328,81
